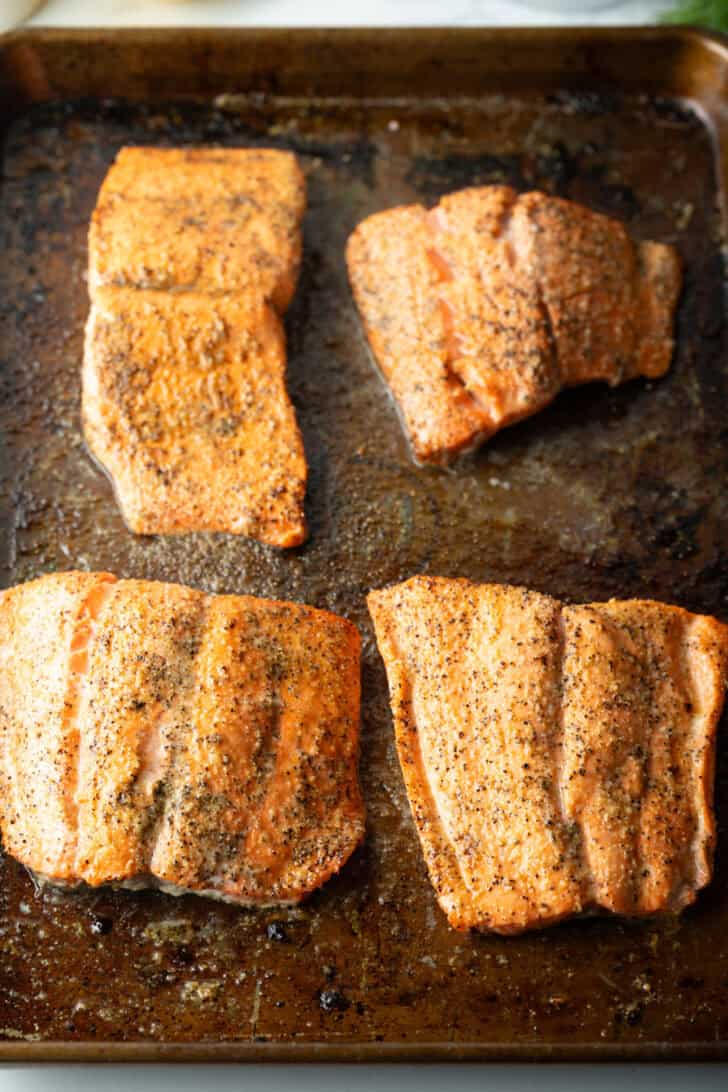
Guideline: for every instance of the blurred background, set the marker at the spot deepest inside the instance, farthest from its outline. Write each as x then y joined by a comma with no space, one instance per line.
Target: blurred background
373,12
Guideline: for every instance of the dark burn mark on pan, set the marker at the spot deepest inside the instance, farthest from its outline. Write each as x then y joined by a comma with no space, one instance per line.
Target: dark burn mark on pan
612,198
587,103
553,169
673,111
100,926
674,522
239,120
276,931
706,282
435,176
357,158
333,1001
678,536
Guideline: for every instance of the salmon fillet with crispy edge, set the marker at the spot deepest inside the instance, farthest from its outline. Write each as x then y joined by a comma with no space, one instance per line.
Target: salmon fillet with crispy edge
185,405
193,257
481,310
152,735
558,759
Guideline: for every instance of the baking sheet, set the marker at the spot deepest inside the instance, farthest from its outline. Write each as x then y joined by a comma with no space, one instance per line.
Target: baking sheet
608,492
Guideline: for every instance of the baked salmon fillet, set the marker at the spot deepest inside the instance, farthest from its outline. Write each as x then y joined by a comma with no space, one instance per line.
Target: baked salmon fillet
207,220
193,258
482,309
185,405
558,759
152,735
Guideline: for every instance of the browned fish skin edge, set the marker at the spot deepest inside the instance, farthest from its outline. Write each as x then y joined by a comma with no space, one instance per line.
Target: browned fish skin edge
442,864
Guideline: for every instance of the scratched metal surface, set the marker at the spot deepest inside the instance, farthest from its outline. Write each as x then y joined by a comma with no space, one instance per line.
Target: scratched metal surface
606,493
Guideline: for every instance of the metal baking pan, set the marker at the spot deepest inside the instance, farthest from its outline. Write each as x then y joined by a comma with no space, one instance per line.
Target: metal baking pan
608,492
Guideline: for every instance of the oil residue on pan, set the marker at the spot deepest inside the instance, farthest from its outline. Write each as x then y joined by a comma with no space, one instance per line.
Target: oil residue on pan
608,492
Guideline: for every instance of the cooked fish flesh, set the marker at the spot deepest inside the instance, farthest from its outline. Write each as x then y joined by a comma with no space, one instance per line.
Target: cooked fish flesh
152,735
205,220
185,403
482,309
558,759
193,258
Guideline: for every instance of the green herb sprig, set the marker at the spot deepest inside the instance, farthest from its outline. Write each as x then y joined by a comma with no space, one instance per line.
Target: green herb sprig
704,13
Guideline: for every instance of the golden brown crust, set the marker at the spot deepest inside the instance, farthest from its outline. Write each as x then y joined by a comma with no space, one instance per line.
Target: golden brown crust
185,404
406,328
473,675
481,310
206,220
643,690
556,758
205,742
38,733
193,257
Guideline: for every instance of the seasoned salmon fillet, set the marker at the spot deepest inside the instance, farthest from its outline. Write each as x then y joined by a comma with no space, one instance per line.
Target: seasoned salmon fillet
193,258
482,309
558,759
152,735
184,403
200,219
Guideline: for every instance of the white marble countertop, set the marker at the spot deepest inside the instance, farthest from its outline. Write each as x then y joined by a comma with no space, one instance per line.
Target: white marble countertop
330,13
274,1078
